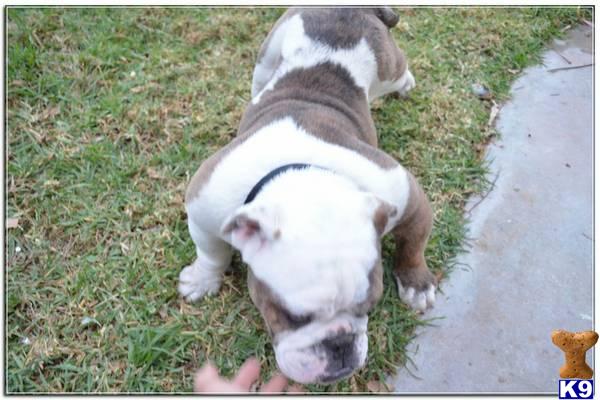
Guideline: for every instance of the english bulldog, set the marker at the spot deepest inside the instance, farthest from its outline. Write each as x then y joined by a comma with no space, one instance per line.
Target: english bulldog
305,195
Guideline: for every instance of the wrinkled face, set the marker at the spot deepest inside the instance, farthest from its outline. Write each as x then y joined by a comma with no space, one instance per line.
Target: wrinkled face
316,347
315,272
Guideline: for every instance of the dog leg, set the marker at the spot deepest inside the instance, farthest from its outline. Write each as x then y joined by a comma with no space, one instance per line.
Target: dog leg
416,284
399,87
405,84
269,56
205,275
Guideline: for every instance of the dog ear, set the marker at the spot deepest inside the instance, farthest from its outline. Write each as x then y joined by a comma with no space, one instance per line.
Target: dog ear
381,212
387,16
251,227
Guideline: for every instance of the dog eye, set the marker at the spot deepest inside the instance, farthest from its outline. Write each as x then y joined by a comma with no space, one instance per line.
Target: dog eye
299,320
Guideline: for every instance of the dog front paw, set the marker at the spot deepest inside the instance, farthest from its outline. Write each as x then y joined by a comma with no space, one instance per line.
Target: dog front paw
419,300
407,83
417,289
196,282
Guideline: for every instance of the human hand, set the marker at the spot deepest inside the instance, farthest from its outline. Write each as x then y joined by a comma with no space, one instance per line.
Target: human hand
207,379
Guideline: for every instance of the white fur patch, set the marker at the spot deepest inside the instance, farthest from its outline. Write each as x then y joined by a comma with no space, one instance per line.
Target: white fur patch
279,143
298,50
403,85
326,246
417,300
267,65
196,281
204,276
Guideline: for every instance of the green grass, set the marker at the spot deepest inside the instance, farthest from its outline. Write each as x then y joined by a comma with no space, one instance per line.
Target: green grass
110,112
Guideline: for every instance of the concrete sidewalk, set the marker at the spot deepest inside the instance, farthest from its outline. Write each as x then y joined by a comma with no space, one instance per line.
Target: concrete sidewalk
530,269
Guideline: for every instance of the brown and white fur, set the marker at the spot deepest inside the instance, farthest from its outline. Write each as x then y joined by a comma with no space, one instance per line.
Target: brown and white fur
311,237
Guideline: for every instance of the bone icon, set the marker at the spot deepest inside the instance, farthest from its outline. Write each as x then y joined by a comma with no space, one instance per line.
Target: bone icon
575,345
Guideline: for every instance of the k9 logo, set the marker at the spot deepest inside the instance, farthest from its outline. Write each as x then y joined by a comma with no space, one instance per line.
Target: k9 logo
575,389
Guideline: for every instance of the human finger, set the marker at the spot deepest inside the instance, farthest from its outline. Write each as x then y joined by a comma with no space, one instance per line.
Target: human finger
205,376
275,385
248,373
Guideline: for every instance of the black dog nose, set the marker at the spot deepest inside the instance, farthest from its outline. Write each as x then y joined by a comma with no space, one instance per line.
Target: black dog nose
341,357
337,343
336,375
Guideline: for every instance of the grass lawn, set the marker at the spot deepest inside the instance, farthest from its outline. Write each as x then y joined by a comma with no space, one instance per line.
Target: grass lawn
110,112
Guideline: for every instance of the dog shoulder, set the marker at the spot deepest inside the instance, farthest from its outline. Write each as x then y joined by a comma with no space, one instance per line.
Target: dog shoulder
206,169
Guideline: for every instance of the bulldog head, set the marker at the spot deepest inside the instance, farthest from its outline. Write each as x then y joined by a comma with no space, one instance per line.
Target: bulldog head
315,269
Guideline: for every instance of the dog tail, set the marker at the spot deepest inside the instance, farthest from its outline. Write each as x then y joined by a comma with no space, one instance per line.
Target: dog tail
387,16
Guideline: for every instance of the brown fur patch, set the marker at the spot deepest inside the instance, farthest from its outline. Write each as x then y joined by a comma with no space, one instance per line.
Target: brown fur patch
275,315
387,16
326,103
384,212
345,27
375,288
411,235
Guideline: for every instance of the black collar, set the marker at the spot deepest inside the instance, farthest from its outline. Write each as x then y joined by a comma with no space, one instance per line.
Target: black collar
265,179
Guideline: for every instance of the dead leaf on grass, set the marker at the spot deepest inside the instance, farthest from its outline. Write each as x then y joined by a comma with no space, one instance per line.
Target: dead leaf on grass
12,223
89,321
163,313
48,113
51,183
124,248
51,112
152,173
408,11
377,387
493,113
566,28
147,86
39,137
439,276
116,367
194,37
177,199
295,388
354,384
138,89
